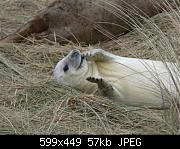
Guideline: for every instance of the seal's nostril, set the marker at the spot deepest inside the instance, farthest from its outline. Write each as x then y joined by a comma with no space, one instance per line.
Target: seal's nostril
75,53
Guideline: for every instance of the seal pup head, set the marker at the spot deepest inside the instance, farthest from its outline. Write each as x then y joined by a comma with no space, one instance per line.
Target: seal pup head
70,70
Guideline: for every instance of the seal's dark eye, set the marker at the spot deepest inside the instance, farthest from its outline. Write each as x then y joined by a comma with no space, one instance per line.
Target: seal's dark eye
65,68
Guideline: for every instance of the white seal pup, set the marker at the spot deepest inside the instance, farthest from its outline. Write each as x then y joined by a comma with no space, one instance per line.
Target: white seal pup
131,81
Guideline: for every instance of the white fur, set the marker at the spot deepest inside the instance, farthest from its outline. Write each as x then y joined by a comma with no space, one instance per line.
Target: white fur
137,81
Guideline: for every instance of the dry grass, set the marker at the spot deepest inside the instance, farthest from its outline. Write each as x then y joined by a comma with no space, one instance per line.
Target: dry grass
31,103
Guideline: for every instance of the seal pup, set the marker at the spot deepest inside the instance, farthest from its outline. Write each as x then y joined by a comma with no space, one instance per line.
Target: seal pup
131,81
88,21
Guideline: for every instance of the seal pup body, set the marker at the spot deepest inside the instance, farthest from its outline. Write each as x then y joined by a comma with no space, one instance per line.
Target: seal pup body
132,81
86,20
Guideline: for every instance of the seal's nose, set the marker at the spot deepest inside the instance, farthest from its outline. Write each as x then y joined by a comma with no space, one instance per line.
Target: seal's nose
75,52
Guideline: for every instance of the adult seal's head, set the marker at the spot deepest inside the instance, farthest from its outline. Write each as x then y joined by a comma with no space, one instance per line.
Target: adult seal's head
70,68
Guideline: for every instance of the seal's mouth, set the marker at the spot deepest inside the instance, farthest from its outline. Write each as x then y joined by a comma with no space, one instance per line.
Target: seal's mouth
82,59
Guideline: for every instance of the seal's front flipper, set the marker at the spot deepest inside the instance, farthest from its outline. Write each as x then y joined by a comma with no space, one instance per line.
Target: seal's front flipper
105,88
97,55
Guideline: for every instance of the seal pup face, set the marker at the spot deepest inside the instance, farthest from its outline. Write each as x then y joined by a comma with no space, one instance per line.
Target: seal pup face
69,71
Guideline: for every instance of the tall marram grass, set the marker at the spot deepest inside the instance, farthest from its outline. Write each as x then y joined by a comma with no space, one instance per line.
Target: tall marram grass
161,35
32,103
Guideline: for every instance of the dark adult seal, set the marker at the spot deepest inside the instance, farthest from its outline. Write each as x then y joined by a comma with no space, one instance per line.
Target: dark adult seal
88,21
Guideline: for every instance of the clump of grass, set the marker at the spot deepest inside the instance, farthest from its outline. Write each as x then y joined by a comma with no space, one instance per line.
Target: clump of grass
160,36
